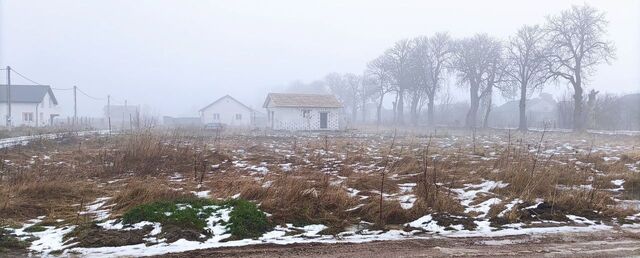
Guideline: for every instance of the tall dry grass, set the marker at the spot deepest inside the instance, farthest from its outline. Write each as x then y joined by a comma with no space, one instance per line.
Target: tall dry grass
291,199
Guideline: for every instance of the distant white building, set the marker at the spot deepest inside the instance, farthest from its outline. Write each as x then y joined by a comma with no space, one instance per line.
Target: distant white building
31,105
228,111
298,112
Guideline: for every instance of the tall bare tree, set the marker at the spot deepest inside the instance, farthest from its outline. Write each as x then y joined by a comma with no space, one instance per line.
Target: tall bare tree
576,47
432,57
476,59
399,58
347,88
378,71
525,68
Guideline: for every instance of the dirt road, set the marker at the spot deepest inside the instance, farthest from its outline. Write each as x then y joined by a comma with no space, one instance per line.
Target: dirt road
617,243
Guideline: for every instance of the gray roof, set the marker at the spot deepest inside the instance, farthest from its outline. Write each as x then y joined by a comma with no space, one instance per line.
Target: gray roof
302,100
26,93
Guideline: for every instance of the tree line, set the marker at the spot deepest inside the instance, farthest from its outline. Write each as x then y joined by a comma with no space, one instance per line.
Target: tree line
566,48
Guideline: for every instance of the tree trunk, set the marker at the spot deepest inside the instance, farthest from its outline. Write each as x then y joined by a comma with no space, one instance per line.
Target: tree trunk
354,112
578,118
400,108
414,109
578,114
522,126
395,109
431,119
379,110
470,121
485,124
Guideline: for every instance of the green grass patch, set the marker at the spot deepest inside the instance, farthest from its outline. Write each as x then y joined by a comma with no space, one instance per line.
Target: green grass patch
245,219
186,213
35,228
8,242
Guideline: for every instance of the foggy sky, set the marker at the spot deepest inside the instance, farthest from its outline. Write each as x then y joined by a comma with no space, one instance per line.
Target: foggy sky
175,57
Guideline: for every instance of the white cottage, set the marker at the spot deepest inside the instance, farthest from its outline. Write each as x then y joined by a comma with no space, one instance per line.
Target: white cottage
297,112
228,111
31,105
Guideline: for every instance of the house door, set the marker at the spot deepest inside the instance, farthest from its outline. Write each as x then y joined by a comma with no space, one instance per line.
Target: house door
323,120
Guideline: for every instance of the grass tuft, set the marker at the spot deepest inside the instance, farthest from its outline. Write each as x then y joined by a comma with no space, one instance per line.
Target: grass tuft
247,221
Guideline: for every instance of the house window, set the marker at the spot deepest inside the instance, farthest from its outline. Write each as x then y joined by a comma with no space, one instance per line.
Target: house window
306,113
27,116
216,116
238,116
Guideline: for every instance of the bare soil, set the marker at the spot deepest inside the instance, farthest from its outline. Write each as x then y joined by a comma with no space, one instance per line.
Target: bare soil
614,243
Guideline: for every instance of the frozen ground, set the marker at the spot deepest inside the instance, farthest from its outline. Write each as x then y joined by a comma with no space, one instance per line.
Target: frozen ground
476,190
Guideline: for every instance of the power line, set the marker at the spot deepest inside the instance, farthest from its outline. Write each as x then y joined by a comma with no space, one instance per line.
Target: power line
25,77
89,96
62,88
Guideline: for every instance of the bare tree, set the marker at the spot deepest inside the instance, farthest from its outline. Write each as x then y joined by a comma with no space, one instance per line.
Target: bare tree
576,47
526,68
432,57
378,71
476,60
368,92
495,80
347,88
353,93
399,58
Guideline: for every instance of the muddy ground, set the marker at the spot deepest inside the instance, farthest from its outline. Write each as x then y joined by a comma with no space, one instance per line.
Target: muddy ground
614,243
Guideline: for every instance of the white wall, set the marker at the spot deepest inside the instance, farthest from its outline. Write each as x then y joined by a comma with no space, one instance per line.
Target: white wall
293,120
227,109
42,110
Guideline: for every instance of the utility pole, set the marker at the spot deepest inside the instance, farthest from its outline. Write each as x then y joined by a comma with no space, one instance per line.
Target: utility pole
364,102
109,111
75,105
138,117
123,112
8,96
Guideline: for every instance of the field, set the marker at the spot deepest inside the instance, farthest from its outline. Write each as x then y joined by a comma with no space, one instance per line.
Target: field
158,192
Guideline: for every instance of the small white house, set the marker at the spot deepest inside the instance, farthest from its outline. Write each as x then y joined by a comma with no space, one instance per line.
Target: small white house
303,112
31,105
228,111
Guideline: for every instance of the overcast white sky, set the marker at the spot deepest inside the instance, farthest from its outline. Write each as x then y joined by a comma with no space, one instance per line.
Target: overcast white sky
177,56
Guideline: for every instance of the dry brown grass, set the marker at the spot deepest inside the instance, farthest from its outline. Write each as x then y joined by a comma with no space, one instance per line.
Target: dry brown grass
145,160
292,199
372,182
632,186
46,198
143,190
392,212
435,198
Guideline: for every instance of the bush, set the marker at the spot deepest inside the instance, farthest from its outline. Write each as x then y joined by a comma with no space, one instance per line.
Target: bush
247,221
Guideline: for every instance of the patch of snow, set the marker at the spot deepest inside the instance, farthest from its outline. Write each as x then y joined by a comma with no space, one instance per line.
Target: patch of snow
201,194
